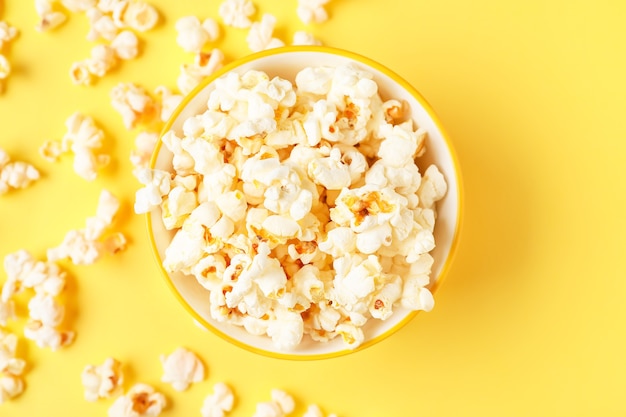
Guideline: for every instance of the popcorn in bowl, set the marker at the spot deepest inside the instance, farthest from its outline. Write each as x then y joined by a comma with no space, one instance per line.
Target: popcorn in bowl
296,203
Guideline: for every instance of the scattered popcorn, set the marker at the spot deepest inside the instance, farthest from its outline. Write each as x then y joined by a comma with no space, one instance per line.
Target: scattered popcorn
16,174
260,35
144,146
78,5
312,11
140,16
9,363
169,101
86,246
80,74
24,272
219,403
125,45
205,64
47,336
10,387
102,381
194,34
281,404
134,104
83,138
182,368
237,13
7,312
299,208
302,37
49,18
140,400
7,34
313,410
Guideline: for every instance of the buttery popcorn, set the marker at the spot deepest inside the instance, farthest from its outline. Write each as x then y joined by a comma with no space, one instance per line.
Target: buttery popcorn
219,403
299,207
134,104
140,400
193,34
15,174
182,368
102,381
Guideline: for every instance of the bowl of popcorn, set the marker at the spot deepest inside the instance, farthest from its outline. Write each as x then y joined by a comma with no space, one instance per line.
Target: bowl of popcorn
303,202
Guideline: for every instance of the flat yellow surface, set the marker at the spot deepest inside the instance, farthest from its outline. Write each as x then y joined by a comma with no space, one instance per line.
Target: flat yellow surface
531,319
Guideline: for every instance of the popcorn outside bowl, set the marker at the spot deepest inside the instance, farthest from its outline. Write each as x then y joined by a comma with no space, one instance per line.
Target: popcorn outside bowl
285,62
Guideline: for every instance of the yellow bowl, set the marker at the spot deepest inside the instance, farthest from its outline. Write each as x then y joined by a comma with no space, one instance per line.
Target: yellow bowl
285,62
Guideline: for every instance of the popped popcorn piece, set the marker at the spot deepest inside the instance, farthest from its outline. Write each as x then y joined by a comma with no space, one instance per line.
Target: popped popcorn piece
80,73
140,16
86,246
9,363
144,146
260,35
102,381
5,69
10,387
302,37
125,45
314,410
140,400
45,309
237,13
194,34
47,336
82,138
182,368
49,18
7,33
15,174
103,59
312,11
24,272
156,185
280,405
169,101
204,64
7,312
219,403
134,104
102,25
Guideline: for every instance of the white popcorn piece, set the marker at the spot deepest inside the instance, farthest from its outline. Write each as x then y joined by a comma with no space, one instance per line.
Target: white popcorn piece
46,310
5,70
102,381
237,13
80,73
281,404
140,400
169,101
48,17
205,64
302,37
312,11
7,312
7,33
193,34
181,368
352,335
432,188
9,363
314,410
23,271
260,35
140,16
15,174
219,403
156,183
103,59
134,104
145,143
125,45
86,246
11,386
102,25
47,336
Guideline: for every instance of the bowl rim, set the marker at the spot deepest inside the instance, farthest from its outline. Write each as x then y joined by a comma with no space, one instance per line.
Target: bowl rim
400,81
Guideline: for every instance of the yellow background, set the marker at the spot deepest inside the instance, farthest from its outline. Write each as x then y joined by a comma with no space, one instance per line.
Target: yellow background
532,317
